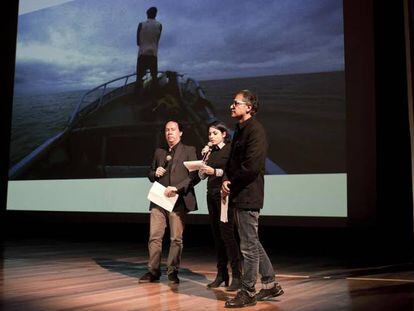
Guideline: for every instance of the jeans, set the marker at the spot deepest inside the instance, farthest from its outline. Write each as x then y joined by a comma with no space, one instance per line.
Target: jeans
158,222
255,257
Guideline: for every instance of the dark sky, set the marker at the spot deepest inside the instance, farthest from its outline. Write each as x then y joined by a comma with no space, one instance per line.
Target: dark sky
81,44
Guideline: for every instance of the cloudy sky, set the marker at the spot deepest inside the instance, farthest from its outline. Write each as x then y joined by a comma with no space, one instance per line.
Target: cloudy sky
82,43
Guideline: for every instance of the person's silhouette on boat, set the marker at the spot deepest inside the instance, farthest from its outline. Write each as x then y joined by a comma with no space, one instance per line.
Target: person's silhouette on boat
148,37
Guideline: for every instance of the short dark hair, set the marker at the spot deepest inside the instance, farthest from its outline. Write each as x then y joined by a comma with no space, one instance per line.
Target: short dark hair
222,128
152,12
252,99
180,127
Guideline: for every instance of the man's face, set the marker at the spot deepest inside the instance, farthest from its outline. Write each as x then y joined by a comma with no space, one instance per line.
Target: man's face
239,108
172,133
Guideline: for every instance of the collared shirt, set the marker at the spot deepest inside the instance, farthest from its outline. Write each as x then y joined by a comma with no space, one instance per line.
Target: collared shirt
171,152
221,145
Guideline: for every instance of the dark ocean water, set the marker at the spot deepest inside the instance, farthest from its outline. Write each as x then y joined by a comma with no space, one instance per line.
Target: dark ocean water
38,117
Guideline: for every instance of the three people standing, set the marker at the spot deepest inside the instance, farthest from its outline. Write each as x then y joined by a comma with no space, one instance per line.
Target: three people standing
234,171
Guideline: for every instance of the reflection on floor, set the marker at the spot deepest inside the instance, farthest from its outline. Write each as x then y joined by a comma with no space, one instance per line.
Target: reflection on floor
57,275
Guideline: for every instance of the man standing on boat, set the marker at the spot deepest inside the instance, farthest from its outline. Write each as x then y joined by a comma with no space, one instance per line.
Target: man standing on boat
168,169
243,183
148,37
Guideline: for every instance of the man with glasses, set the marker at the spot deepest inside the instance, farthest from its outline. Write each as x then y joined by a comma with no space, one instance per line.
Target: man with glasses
244,184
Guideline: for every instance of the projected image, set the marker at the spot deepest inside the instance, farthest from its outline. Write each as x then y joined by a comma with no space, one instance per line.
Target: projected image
78,111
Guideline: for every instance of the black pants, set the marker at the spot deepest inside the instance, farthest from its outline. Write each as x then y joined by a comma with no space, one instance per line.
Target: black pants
144,63
227,248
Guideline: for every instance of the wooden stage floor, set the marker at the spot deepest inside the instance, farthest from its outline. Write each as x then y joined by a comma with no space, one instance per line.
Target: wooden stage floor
72,275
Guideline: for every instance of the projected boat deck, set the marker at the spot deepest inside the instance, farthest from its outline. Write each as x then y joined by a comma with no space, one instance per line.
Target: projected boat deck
115,129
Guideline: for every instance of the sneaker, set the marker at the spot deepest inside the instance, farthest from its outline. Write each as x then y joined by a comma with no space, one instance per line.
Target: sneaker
242,299
173,277
266,293
149,278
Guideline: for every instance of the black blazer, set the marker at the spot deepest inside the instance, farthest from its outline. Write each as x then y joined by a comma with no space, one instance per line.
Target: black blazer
177,175
246,166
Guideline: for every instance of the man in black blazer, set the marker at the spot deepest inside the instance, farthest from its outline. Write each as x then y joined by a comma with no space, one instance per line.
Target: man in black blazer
168,169
244,184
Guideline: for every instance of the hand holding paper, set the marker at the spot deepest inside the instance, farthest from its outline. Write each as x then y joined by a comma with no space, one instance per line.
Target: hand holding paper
193,165
225,187
207,170
170,191
157,195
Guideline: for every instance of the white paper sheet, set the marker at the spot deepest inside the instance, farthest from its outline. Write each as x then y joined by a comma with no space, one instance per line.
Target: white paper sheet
193,165
224,209
156,195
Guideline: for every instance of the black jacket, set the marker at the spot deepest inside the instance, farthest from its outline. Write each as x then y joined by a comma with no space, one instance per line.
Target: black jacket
177,174
246,166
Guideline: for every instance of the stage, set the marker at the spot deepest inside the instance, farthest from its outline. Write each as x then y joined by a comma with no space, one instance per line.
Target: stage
44,274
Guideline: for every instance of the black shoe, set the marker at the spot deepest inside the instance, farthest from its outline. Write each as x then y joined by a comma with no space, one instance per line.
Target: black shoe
235,285
149,278
173,277
242,299
220,278
275,291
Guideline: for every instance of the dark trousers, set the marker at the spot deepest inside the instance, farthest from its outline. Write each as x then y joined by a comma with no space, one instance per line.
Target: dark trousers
144,63
227,248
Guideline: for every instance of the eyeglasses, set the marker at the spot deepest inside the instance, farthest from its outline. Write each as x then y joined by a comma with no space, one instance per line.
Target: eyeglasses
237,103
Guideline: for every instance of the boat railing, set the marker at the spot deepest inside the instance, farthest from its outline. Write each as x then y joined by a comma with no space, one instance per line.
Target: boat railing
101,91
192,86
196,86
